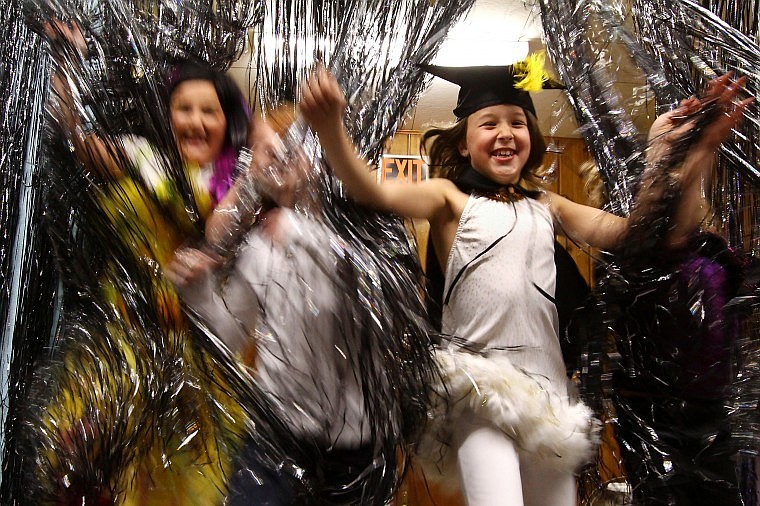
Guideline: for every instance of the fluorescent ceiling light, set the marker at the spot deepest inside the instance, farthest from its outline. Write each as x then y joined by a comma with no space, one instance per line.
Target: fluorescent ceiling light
493,33
466,51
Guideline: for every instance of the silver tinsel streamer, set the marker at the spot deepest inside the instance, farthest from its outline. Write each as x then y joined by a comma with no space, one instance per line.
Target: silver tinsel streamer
583,65
125,384
662,309
712,46
373,47
27,279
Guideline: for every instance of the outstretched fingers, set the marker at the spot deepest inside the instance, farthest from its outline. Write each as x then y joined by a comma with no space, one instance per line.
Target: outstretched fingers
730,110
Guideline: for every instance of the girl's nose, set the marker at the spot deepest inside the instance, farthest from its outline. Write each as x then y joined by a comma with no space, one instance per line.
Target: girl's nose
195,118
505,132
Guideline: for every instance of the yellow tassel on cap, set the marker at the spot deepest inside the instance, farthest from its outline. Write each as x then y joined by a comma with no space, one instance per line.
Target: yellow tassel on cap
529,73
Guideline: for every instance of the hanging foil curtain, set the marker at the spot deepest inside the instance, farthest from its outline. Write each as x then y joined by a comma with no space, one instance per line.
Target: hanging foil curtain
118,88
131,403
677,47
373,48
721,37
28,281
681,382
584,64
717,39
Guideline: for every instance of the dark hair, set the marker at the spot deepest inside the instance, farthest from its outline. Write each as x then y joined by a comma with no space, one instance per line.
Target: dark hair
236,113
441,144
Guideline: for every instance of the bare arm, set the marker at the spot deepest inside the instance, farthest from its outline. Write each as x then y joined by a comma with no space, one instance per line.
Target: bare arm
592,226
68,46
264,168
604,230
226,223
696,171
670,205
322,106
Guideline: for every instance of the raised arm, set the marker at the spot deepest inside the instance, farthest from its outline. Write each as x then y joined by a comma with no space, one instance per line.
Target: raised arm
267,172
695,174
323,106
67,46
671,205
233,215
604,230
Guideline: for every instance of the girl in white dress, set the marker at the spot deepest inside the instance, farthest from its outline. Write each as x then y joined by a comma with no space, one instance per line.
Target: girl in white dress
507,421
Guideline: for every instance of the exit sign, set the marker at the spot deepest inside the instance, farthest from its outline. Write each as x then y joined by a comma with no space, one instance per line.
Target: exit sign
403,169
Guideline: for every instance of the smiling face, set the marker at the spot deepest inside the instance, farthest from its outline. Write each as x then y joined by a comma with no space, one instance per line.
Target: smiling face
497,142
198,121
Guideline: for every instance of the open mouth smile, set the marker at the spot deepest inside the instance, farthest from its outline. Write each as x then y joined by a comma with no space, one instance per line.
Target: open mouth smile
503,154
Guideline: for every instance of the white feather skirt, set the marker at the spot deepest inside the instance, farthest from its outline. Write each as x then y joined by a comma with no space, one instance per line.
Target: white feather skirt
552,427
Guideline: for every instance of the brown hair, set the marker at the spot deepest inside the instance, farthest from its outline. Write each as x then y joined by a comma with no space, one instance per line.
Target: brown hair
593,184
441,144
281,117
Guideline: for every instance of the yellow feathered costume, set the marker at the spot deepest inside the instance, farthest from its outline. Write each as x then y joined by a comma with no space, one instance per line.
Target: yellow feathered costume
137,413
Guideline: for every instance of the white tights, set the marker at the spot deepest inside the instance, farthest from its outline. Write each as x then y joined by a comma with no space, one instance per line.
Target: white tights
495,473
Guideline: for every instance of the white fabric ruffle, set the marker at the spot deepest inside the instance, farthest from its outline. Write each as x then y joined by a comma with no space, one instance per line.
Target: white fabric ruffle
541,422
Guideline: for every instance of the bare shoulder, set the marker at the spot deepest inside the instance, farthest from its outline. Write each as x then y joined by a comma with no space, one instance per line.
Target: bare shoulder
548,197
455,198
444,186
433,199
440,184
453,201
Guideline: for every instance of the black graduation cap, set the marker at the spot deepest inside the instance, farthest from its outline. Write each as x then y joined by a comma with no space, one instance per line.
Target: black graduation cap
484,86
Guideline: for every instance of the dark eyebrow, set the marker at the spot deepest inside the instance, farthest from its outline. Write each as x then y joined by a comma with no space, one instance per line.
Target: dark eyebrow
486,116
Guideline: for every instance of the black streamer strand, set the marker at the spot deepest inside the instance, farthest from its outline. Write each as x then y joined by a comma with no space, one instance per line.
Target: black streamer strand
673,357
134,400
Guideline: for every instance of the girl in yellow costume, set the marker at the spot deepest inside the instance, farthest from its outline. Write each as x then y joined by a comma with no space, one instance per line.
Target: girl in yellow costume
135,416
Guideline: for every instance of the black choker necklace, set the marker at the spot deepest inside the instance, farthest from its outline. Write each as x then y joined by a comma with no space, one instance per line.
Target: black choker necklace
473,181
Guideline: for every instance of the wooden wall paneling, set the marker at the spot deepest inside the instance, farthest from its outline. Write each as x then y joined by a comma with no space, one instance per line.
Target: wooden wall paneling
570,185
407,142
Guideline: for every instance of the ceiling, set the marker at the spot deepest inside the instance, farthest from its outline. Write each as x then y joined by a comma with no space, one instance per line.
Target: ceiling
500,32
495,32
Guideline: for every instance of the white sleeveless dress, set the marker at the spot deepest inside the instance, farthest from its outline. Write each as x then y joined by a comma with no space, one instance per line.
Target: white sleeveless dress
504,362
503,302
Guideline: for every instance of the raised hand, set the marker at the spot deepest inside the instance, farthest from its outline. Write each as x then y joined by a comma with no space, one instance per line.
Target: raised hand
322,103
667,128
722,94
189,265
